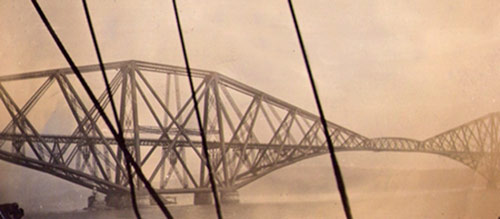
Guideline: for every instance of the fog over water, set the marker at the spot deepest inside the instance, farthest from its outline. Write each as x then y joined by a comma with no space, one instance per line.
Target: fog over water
306,188
383,68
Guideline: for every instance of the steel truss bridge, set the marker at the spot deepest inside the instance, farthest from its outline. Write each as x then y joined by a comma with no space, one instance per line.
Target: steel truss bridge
249,133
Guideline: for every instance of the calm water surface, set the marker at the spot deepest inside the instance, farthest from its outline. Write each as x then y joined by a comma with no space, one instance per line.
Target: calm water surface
452,203
267,210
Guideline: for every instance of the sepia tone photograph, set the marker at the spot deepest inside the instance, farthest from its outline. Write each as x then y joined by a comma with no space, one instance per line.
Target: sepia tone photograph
249,109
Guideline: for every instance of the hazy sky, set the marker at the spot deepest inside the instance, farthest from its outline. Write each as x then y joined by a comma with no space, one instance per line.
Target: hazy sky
384,68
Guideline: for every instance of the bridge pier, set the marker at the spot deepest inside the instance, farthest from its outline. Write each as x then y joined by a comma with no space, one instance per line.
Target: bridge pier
230,197
226,197
123,200
117,200
203,198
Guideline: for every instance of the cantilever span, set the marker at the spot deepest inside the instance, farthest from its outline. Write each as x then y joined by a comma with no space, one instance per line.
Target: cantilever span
475,144
250,133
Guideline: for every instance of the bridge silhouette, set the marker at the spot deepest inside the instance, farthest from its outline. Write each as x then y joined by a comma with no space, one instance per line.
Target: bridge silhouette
250,133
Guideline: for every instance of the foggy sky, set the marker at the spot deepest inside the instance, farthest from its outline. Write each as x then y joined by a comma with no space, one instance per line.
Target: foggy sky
384,68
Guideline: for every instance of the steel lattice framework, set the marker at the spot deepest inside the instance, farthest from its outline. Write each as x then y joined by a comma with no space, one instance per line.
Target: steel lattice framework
475,144
249,132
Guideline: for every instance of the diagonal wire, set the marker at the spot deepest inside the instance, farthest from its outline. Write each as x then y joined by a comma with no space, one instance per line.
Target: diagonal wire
202,132
110,95
335,164
132,190
120,140
101,65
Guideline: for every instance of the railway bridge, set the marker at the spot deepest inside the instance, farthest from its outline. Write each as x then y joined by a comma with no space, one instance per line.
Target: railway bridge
250,133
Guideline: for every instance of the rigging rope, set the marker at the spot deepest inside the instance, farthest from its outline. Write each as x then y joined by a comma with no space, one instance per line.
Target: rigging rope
195,101
119,139
335,164
113,106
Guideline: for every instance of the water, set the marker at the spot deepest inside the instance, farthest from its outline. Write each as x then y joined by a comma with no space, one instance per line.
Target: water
453,203
373,193
258,210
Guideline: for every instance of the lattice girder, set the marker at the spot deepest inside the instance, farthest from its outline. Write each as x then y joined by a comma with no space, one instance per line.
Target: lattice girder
249,132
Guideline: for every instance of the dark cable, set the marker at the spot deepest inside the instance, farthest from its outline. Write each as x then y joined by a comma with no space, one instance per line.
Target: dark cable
195,101
132,190
118,125
101,65
120,140
335,164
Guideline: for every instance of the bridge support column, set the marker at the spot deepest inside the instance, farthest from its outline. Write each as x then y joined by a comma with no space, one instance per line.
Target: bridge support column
124,200
117,200
203,198
230,197
226,197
